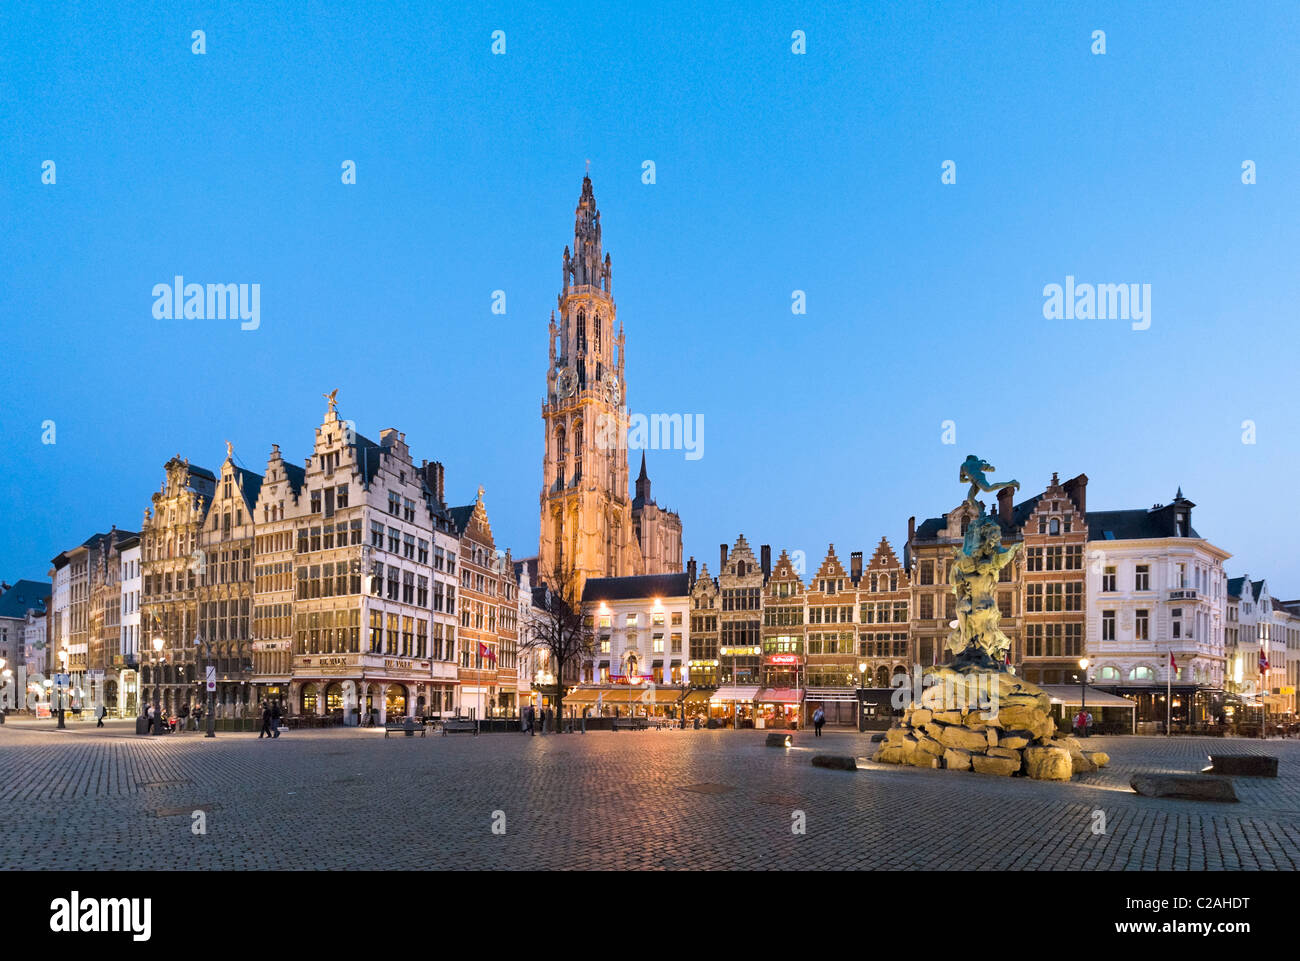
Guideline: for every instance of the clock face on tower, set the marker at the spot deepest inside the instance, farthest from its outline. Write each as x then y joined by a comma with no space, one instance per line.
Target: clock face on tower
564,382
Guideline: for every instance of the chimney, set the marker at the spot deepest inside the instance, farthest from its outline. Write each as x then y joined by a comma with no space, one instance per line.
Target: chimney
722,551
855,566
765,560
1077,490
690,572
1005,497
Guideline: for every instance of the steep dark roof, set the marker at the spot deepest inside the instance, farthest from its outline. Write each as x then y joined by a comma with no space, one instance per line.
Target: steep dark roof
202,472
629,588
460,516
295,475
1131,525
1255,587
930,528
251,481
369,457
24,596
1234,586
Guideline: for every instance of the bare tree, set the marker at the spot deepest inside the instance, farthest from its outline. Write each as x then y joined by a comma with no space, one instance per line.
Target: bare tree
557,628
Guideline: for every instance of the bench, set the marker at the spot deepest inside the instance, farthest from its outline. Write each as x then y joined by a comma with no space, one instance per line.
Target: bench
462,725
405,726
629,724
1242,765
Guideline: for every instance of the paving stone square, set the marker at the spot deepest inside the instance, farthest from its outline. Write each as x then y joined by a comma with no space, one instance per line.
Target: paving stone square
658,800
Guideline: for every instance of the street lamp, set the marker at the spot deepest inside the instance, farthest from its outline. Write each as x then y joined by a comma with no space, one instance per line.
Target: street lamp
1083,690
862,672
8,676
157,686
207,650
63,661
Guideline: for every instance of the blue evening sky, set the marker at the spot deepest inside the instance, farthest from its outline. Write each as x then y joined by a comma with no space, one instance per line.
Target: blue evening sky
775,172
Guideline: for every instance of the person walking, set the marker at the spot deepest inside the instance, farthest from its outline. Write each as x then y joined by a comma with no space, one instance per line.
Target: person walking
532,720
275,718
103,709
266,721
198,717
1087,724
819,718
1080,721
182,717
548,721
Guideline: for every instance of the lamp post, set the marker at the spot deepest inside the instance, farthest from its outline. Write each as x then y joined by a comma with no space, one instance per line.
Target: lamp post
63,669
157,686
1083,691
207,653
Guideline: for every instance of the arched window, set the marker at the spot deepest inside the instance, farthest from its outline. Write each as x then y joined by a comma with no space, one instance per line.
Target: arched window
582,331
1108,674
309,698
597,334
1054,527
577,450
560,455
334,698
1141,674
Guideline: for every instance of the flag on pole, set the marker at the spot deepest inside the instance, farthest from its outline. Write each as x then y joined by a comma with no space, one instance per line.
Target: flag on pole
1173,665
1263,662
486,652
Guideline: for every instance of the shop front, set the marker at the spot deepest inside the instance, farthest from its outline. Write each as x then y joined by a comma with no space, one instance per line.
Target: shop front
779,708
733,706
1185,706
695,705
624,700
838,704
1111,714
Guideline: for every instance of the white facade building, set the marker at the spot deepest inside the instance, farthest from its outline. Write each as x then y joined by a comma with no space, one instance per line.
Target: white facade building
129,578
642,644
1156,588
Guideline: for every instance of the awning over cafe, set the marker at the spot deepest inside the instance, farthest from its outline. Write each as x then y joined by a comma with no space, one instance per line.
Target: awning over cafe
1071,696
732,692
697,697
828,695
624,694
780,695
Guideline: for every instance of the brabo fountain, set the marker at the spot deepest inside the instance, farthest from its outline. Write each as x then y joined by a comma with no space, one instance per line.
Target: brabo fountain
974,713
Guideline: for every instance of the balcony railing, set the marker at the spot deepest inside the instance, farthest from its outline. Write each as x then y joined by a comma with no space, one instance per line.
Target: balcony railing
1183,594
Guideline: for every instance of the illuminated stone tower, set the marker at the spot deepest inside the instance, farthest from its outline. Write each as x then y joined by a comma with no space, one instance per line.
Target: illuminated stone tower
586,511
590,523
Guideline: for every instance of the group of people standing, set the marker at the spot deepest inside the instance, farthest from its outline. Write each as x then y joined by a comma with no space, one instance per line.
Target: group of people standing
531,715
160,722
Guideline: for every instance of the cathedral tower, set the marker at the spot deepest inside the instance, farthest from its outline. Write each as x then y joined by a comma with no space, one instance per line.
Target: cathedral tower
586,513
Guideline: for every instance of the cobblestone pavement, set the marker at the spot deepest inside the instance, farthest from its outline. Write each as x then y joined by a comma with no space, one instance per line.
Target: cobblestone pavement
87,799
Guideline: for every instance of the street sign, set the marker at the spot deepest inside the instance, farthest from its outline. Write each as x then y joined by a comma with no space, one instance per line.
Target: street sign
212,678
